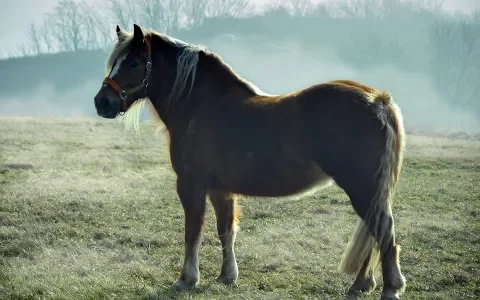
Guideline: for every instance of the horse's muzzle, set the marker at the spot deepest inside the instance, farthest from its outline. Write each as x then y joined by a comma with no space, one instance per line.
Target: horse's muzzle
107,108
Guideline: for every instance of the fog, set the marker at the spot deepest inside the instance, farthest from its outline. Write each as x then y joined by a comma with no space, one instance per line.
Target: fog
283,64
46,101
289,68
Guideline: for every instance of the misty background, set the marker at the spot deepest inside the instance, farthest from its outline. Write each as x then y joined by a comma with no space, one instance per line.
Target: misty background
426,55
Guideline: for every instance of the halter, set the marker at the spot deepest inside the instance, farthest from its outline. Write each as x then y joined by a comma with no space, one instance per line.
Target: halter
124,94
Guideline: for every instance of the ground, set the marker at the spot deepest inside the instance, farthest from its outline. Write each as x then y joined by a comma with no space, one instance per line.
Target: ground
88,210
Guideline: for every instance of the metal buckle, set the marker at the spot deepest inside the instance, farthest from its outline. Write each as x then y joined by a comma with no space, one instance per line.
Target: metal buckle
149,66
123,95
145,82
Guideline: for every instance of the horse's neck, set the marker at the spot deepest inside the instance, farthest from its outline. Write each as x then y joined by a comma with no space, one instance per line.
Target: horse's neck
213,83
178,113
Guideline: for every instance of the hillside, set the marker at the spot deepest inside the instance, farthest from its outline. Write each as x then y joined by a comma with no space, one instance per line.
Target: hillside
63,71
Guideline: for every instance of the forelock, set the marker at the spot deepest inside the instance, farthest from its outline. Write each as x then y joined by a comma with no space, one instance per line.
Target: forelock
122,47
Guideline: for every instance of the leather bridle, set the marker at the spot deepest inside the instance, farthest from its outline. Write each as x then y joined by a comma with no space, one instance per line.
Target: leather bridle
123,93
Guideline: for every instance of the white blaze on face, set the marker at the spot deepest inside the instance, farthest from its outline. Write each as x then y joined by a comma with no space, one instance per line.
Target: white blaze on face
117,65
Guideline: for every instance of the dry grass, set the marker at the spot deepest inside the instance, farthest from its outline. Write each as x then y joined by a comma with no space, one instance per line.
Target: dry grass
89,211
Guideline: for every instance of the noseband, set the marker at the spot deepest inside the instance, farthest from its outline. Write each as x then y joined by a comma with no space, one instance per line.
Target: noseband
124,94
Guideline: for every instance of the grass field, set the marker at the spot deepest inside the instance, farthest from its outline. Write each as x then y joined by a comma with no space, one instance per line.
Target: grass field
89,211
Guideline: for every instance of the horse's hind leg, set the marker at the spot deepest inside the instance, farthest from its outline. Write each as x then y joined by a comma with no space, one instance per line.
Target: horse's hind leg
362,253
365,281
225,210
393,280
381,228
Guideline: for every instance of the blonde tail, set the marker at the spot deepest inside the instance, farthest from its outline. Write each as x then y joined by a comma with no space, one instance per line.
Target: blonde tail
363,242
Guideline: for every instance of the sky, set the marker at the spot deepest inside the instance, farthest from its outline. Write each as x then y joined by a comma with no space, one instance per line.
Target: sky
16,16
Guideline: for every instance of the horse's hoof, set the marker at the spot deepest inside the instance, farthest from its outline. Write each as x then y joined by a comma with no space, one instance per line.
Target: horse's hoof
362,287
389,297
181,285
352,295
226,280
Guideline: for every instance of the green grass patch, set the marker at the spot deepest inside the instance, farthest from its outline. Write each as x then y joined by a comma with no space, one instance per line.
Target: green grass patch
96,216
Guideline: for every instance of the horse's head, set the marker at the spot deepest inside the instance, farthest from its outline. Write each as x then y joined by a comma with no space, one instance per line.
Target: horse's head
128,72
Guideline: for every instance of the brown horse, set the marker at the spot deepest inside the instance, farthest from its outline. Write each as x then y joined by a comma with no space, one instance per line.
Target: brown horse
227,138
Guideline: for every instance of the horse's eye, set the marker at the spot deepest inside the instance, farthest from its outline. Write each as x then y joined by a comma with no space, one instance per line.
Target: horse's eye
134,64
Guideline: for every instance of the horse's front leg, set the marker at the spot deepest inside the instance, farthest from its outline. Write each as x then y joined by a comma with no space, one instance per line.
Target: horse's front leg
192,196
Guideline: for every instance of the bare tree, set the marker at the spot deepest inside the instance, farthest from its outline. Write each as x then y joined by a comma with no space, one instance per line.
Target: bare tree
106,34
301,7
34,38
68,22
433,6
368,9
194,12
455,45
171,14
229,8
90,30
19,50
47,35
275,4
165,15
122,12
149,11
95,33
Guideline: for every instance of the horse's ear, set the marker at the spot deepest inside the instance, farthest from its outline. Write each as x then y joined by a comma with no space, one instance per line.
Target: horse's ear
137,34
120,35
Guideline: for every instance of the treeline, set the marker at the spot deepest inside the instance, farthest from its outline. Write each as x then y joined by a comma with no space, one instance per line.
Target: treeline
412,35
85,25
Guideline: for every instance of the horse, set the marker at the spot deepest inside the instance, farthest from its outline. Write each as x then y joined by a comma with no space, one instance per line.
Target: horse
227,139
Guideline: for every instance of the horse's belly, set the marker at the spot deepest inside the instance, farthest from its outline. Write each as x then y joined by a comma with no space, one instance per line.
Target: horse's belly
276,180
